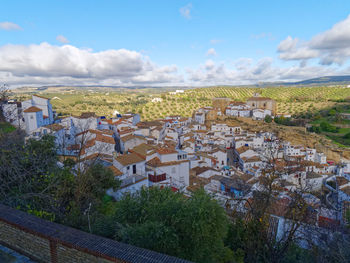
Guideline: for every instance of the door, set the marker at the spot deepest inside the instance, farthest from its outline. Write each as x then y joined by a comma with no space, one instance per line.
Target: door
134,169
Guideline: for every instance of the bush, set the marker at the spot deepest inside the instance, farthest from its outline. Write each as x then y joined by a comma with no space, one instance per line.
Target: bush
326,127
347,136
268,119
315,129
332,112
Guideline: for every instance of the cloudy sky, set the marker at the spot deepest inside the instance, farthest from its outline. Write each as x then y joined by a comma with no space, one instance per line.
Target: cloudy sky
171,42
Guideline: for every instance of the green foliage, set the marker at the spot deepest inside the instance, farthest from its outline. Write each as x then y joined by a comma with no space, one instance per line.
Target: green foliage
315,128
162,220
268,119
332,112
296,254
6,127
284,121
31,181
326,127
347,136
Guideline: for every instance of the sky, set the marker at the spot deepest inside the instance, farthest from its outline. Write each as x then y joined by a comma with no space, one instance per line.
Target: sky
171,43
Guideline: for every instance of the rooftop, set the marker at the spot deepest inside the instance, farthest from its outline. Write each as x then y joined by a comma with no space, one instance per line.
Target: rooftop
127,159
32,109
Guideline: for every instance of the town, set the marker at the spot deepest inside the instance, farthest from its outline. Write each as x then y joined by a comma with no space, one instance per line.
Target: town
209,150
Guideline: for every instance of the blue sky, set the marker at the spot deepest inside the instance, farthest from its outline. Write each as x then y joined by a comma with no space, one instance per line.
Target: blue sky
171,42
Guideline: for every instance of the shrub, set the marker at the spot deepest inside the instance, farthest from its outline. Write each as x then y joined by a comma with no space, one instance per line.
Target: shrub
326,127
268,119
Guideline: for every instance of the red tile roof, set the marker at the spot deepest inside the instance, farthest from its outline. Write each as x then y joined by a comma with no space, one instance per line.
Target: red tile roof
105,139
155,162
166,151
115,170
41,97
32,109
127,159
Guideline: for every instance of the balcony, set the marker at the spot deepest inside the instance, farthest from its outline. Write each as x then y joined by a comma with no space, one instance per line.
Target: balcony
157,178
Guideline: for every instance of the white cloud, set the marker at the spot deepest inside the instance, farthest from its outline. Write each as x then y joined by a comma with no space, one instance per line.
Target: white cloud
62,39
287,44
9,26
211,52
331,46
245,71
49,64
243,63
185,11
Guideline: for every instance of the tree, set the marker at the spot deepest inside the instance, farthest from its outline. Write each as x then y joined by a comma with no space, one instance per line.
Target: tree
268,119
252,230
326,127
4,92
159,219
31,180
4,95
28,173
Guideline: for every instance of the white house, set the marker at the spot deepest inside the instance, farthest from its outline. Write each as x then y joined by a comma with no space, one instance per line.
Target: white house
13,114
169,167
260,114
130,164
42,103
238,109
33,118
221,156
130,141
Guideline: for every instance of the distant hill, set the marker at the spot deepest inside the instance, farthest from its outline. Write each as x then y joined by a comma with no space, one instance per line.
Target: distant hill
321,81
326,80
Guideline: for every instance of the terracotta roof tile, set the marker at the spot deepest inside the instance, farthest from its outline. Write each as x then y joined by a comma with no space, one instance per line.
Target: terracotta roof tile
115,170
132,136
32,109
242,149
166,151
41,97
54,127
105,139
130,158
155,162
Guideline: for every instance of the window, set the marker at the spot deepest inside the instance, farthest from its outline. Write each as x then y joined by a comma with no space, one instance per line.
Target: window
173,170
45,131
127,168
31,117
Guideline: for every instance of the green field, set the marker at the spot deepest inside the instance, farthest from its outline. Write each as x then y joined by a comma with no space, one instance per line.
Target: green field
289,100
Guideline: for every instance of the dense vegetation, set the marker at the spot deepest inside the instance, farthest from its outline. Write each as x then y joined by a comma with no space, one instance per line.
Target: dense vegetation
31,180
333,123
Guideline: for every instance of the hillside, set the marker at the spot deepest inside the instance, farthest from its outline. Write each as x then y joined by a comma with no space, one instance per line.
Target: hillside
326,80
296,136
290,100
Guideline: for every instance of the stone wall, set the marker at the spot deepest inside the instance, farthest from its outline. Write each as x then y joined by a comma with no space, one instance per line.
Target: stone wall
28,244
44,241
